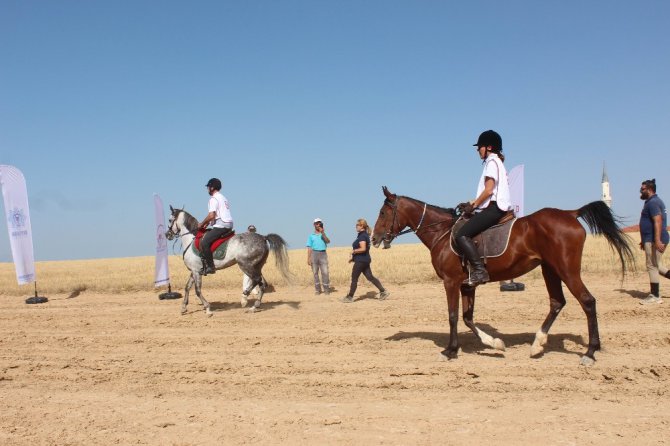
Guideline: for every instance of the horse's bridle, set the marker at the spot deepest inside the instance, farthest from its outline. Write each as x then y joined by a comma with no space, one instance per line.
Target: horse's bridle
389,235
170,234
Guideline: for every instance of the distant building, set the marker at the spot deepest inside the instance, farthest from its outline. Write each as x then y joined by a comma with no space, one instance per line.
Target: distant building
606,197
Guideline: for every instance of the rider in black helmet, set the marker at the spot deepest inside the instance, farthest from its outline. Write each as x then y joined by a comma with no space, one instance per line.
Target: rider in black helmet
221,224
492,202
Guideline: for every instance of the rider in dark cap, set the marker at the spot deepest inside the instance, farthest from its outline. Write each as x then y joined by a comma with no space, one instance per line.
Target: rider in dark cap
221,224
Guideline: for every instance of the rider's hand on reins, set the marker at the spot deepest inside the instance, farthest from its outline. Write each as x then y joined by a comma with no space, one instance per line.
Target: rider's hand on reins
465,208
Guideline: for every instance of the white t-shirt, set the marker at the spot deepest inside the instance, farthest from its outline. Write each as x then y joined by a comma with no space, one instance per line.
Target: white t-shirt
494,168
219,204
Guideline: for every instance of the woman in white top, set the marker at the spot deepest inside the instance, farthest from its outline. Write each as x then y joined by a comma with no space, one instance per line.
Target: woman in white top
492,202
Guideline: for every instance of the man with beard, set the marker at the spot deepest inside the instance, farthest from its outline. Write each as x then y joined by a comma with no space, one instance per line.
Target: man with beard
653,238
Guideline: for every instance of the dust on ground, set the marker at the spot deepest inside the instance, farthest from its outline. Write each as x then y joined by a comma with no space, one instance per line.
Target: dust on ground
130,369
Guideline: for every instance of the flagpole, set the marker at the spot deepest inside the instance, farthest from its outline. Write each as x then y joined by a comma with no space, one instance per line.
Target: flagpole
162,270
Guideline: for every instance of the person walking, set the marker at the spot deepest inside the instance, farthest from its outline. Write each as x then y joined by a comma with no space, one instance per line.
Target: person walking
317,258
360,257
653,238
221,222
492,202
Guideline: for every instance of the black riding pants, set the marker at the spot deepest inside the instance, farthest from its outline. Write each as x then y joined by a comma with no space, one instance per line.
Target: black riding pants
210,237
362,268
481,221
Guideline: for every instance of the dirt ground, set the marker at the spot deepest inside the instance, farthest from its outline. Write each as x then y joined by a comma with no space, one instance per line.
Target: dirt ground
129,369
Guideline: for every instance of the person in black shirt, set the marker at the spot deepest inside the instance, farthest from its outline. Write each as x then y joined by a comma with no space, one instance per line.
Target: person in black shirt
360,257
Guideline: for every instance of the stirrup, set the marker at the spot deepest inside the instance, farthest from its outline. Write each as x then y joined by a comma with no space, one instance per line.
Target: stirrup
476,277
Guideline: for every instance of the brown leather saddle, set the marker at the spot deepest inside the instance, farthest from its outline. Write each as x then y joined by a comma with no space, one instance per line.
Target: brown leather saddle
490,243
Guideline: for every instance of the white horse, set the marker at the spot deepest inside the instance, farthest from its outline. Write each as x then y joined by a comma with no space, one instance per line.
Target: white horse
248,250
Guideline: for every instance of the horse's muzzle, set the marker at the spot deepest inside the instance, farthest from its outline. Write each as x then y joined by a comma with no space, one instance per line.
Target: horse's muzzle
376,241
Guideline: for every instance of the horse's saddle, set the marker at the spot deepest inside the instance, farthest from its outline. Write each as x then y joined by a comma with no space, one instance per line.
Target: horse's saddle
219,246
490,243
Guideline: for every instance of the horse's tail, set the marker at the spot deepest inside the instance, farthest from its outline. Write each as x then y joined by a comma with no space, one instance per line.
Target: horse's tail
602,221
279,247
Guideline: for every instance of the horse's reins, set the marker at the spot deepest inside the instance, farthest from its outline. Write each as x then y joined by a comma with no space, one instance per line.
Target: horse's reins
388,234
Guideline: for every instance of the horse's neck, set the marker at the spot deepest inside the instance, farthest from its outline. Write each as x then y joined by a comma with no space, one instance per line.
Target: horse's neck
186,238
433,226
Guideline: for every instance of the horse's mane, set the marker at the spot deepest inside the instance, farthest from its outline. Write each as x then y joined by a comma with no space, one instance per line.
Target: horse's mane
190,222
450,211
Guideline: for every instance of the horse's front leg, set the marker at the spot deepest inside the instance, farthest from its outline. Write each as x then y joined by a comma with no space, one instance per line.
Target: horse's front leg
451,287
198,292
468,294
187,289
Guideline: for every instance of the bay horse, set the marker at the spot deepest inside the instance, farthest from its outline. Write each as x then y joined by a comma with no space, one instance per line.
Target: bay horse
550,238
248,250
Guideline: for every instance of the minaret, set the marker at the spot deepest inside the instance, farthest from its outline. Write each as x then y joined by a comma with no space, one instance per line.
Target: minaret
606,197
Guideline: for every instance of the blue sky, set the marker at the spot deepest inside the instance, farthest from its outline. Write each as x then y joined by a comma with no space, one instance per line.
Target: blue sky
305,109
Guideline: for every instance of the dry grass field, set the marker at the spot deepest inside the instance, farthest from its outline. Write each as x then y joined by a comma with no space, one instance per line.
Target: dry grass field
403,264
116,365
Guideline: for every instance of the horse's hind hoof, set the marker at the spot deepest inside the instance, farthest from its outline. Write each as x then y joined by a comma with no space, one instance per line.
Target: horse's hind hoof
449,354
586,361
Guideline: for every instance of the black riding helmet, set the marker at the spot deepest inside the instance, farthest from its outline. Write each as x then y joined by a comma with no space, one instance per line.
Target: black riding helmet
490,138
214,183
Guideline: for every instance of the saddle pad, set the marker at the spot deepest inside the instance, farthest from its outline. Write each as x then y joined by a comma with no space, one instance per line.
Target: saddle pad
490,243
219,246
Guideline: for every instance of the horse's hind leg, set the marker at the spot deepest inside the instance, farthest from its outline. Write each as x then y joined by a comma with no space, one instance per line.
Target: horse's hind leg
261,291
261,283
468,298
556,304
588,303
198,292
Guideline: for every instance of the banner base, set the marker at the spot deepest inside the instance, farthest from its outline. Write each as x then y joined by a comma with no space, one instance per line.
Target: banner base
169,295
36,300
512,286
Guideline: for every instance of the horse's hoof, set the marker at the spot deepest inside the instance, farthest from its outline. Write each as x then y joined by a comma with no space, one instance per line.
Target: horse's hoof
536,350
498,344
449,354
244,302
586,361
183,311
251,310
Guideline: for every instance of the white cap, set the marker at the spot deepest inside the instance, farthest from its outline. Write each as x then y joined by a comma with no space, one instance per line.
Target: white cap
318,220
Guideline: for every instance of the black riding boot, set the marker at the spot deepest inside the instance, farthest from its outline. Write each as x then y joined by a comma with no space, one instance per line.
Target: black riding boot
207,264
478,273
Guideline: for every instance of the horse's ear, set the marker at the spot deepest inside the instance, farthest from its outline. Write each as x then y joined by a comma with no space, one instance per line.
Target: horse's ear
171,210
387,193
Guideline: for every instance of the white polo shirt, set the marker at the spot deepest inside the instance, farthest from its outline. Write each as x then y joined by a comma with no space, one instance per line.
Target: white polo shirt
219,204
494,168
